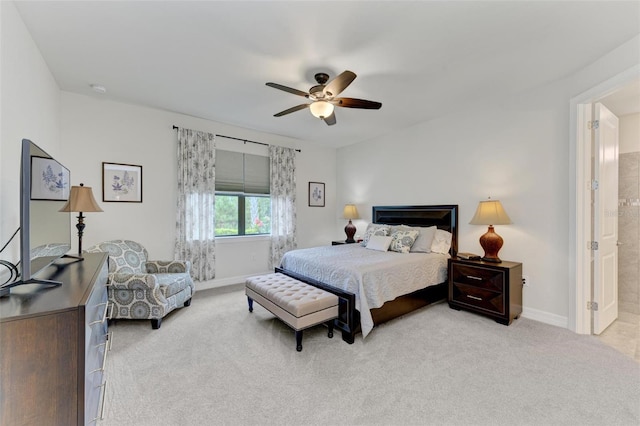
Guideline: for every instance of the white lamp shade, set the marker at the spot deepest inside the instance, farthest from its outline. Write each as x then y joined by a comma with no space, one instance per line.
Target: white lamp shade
321,109
490,212
350,212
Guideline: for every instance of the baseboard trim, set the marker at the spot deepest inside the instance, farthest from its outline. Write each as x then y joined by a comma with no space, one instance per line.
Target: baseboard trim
545,317
224,282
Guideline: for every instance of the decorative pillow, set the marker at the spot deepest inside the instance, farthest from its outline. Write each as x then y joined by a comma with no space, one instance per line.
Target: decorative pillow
374,229
379,242
401,241
441,242
424,240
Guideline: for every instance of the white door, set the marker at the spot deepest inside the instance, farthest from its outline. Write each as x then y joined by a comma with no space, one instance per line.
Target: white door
605,269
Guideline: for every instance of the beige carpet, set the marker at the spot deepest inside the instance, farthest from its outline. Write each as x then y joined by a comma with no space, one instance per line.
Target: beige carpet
215,363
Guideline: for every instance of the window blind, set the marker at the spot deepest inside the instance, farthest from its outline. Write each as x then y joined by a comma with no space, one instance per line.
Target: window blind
244,173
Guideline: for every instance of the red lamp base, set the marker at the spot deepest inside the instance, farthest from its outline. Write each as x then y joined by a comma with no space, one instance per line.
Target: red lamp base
350,230
491,243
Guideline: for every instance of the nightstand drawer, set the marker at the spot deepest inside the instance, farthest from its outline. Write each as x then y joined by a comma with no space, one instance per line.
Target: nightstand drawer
479,298
475,276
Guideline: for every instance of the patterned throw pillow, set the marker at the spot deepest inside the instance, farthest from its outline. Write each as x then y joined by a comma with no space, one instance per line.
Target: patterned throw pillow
374,229
401,241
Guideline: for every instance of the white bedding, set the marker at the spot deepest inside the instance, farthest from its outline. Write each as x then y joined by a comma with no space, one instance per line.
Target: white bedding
379,276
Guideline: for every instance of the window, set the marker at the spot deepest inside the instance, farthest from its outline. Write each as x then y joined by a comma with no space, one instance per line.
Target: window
243,204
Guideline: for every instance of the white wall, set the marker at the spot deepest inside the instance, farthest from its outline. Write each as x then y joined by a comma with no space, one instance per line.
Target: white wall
96,130
29,108
629,127
515,149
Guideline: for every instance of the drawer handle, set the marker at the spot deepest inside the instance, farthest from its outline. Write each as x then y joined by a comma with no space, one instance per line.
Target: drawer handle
471,277
103,391
474,297
104,314
104,357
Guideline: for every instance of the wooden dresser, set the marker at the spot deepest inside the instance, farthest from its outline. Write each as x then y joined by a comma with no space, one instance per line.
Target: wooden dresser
53,346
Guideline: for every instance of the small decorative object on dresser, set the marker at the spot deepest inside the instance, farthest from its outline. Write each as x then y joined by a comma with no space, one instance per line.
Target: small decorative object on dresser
81,200
490,289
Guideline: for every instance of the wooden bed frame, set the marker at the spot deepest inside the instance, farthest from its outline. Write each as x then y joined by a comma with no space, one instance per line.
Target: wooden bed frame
444,217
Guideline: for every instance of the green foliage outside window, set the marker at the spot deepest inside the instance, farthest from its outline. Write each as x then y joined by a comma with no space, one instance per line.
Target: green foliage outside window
239,214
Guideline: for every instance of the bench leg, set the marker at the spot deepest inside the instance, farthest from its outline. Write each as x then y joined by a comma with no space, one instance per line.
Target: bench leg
250,301
298,340
330,325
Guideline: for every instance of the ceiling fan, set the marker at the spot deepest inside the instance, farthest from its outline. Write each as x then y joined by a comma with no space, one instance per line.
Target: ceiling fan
324,97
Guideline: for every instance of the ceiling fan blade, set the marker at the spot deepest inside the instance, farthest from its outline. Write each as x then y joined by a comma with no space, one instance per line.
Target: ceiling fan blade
356,103
292,109
288,89
338,84
330,120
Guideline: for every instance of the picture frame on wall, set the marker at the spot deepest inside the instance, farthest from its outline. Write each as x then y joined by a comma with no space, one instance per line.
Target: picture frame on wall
49,179
316,194
121,183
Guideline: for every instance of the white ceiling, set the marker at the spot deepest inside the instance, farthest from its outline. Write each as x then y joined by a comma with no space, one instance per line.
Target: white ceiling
421,59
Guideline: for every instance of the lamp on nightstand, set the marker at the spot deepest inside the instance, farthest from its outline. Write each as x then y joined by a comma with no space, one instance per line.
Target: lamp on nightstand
350,212
490,213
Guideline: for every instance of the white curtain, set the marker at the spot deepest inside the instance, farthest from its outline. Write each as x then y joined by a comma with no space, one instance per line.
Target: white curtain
283,202
195,222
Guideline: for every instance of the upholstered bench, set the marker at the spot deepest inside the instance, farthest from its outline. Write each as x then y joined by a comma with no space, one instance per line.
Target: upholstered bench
298,304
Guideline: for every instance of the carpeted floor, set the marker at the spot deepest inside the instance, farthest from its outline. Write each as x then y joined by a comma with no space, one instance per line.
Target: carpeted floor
215,363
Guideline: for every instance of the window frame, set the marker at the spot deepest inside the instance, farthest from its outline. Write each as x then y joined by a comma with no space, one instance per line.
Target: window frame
241,196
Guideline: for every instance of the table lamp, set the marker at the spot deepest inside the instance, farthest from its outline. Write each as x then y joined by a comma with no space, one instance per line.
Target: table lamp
350,212
81,200
490,213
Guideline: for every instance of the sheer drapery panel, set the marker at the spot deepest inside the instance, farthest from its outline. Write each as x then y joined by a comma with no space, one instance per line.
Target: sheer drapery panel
195,221
283,202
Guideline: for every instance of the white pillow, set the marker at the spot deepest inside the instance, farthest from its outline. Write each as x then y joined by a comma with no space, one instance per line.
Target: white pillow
402,240
441,242
379,242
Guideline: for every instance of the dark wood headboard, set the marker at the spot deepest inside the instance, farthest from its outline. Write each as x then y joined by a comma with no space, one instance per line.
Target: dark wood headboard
444,217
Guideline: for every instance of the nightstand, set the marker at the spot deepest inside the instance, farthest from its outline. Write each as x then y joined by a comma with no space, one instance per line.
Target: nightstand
491,289
340,242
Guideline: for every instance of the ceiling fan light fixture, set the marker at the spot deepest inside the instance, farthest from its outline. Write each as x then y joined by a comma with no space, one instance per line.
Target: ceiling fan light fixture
321,109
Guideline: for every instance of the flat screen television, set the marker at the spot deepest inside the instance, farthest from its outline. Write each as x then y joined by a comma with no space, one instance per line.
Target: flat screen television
45,232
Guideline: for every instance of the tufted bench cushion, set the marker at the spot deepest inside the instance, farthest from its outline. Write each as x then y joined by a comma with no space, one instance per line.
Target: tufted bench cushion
298,304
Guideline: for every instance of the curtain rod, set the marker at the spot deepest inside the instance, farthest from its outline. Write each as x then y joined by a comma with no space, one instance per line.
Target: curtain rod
237,139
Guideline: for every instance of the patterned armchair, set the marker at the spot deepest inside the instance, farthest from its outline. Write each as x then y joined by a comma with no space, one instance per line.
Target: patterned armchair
144,289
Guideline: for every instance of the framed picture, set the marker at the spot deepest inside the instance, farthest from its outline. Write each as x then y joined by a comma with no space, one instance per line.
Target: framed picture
49,179
121,183
316,194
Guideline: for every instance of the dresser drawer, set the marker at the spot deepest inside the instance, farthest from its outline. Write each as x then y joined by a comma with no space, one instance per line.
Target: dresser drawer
475,276
479,298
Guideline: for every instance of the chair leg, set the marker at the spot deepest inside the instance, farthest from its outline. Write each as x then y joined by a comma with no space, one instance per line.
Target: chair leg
250,302
187,302
155,323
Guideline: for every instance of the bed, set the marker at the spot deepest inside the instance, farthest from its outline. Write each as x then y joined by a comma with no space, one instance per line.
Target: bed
374,287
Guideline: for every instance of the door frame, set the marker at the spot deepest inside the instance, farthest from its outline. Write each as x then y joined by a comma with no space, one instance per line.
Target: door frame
580,221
